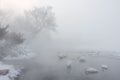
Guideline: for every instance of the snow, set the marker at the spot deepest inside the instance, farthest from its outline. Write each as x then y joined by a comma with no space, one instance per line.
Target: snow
13,73
23,52
4,78
23,56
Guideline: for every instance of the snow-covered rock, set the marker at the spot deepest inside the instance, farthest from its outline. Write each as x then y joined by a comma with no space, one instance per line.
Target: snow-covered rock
13,73
4,72
91,71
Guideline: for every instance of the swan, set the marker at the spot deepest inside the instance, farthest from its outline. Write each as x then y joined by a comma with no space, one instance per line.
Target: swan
104,67
91,70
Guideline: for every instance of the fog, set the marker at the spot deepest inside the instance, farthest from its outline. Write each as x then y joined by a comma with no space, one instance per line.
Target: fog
82,24
88,24
88,28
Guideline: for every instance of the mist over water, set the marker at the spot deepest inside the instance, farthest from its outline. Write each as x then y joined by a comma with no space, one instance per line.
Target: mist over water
85,28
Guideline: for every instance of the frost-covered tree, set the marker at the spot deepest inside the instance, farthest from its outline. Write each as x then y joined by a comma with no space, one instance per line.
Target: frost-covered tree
41,18
14,38
8,41
39,21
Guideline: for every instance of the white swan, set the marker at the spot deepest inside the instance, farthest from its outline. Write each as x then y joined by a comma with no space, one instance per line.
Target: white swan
91,71
104,67
69,64
62,56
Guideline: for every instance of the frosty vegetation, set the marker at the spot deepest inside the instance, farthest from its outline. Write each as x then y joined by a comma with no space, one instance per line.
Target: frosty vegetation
34,21
17,31
24,27
41,18
8,41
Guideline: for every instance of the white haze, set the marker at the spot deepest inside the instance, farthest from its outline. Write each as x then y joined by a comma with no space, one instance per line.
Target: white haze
82,24
87,24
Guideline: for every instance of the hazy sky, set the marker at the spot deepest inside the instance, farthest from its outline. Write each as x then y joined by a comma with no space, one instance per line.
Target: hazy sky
87,23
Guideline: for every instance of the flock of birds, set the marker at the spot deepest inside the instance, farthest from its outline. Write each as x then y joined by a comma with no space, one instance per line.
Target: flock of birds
81,59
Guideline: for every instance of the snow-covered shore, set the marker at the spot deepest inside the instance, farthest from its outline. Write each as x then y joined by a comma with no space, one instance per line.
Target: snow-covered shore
12,74
15,70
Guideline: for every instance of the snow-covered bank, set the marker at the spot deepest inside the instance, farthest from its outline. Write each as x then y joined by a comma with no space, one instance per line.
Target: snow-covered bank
12,74
21,52
19,58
